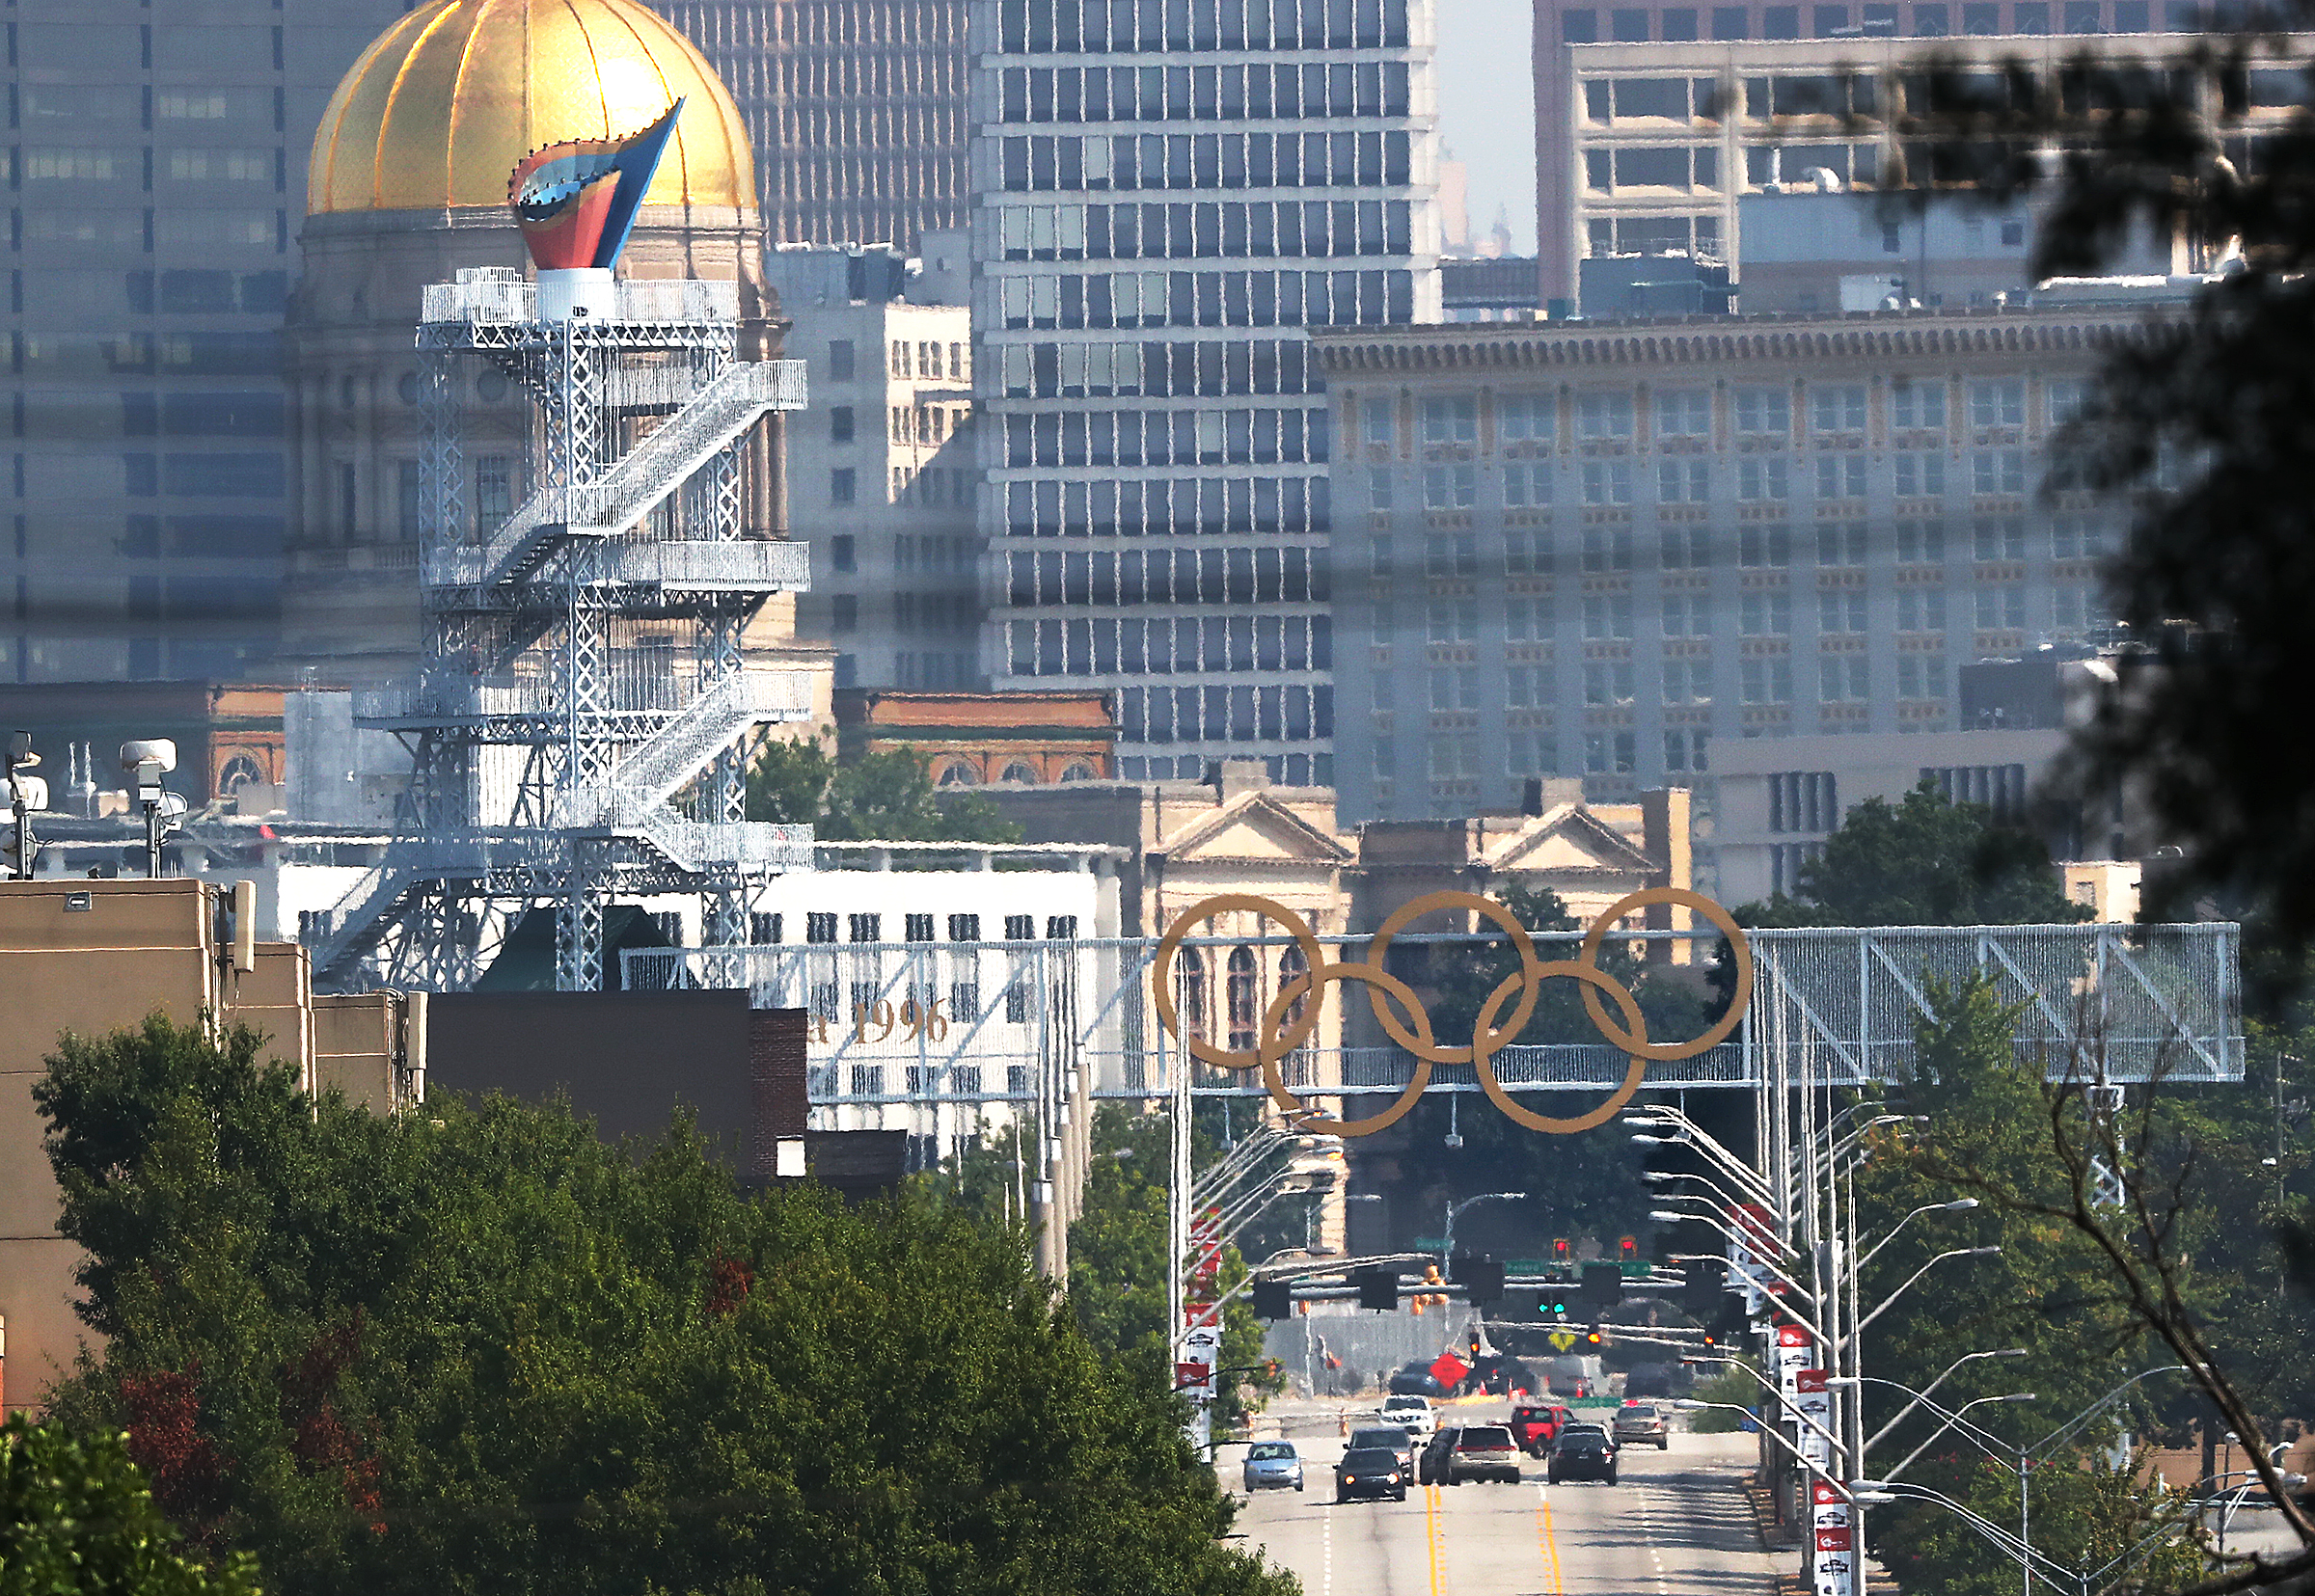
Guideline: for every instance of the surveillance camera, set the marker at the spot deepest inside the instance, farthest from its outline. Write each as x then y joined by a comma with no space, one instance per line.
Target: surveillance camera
148,750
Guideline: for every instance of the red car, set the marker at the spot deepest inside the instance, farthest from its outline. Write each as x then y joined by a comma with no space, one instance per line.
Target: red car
1535,1426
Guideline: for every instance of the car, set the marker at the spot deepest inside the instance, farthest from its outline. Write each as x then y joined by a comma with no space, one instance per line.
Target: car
1414,1412
1581,1453
1272,1466
1389,1437
1641,1422
1535,1426
1583,1426
1370,1471
1484,1452
1430,1464
1415,1379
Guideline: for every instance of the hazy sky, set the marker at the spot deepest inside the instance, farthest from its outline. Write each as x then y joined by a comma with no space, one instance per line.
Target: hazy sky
1486,109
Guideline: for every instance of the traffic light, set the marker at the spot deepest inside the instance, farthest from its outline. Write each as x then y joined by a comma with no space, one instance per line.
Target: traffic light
1561,1251
1377,1288
1275,1299
1627,1249
1553,1307
1596,1336
1701,1295
1474,1344
1481,1278
1603,1283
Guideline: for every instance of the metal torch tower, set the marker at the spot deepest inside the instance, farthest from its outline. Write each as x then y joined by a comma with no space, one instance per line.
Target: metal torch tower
575,723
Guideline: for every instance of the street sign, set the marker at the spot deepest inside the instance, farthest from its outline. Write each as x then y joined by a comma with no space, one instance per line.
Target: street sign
1562,1340
1449,1371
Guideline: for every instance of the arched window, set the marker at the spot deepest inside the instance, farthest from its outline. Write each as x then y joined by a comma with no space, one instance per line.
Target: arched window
1245,997
239,771
956,772
1078,770
1293,966
1018,771
1195,1022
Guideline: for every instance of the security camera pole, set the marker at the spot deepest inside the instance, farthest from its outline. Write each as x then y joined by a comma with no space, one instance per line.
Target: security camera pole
149,759
26,793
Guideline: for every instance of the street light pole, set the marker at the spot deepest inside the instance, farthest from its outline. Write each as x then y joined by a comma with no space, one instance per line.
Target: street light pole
1447,1241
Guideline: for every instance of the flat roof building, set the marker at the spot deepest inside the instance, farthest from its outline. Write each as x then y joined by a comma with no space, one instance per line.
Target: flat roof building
1599,551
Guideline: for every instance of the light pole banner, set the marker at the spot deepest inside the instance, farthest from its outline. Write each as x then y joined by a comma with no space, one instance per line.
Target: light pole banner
1793,1354
1834,1539
1814,1403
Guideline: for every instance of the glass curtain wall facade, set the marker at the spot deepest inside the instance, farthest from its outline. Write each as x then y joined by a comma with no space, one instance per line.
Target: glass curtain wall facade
1170,193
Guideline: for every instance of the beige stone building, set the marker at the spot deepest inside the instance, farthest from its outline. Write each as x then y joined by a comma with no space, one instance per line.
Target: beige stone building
93,957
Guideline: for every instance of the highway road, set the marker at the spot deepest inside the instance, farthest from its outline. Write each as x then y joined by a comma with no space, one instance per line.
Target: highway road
1674,1524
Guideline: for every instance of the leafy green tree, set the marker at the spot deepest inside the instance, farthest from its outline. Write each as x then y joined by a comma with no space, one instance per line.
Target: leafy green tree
1924,861
75,1516
475,1349
885,796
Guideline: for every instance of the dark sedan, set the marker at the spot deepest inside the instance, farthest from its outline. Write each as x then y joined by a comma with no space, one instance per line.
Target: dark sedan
1370,1471
1581,1454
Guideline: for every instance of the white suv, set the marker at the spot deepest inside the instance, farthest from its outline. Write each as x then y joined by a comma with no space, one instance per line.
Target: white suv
1412,1413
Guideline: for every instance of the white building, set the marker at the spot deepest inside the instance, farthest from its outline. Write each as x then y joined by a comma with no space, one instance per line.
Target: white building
881,477
1168,196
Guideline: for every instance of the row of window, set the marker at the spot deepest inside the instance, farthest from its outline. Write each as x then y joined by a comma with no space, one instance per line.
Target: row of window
1613,617
1256,91
1836,543
149,229
1046,163
1155,299
67,162
1200,507
1069,27
1207,231
1169,645
1167,436
1528,752
1208,368
1757,478
1225,715
1272,574
1756,411
1878,19
768,929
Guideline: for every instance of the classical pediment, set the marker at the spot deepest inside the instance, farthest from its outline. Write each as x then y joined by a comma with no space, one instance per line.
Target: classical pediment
1252,827
1568,840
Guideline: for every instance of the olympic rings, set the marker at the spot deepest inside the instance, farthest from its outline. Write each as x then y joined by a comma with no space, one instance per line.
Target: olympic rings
1280,1036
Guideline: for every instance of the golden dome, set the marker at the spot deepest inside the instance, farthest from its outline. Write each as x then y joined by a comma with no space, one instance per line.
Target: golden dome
439,108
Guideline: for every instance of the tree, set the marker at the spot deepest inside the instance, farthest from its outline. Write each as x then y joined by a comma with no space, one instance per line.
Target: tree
1924,861
2197,425
75,1516
476,1350
883,797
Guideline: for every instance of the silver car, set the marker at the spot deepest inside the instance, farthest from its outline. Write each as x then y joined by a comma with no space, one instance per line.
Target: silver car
1272,1466
1641,1422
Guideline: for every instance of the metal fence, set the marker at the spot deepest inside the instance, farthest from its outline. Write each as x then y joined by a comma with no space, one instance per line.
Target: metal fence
977,1022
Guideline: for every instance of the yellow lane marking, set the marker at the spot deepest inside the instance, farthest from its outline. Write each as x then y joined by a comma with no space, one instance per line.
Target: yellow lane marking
1548,1543
1433,1533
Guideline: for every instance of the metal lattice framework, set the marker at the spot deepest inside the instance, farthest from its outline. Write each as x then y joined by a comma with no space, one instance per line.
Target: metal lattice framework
576,721
960,1024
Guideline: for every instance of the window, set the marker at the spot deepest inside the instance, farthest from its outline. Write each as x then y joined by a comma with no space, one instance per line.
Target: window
1921,676
1526,620
1607,615
1764,615
1803,802
1998,538
1451,419
2000,607
1611,753
1453,758
1060,927
1920,610
819,928
1603,416
1607,549
1915,406
917,927
494,492
864,927
1995,404
1763,477
1842,679
1684,482
839,360
1998,471
1450,487
1836,408
1454,687
1840,611
1608,682
1526,687
1683,412
842,486
843,551
1840,476
1451,555
1920,543
1687,615
1765,412
1454,623
2063,396
1919,474
1379,487
1841,543
963,928
843,612
1687,681
1377,422
2076,537
1526,483
1764,545
1684,748
1526,419
1607,482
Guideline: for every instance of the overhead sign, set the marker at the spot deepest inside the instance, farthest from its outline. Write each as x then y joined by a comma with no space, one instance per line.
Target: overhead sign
1290,1018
